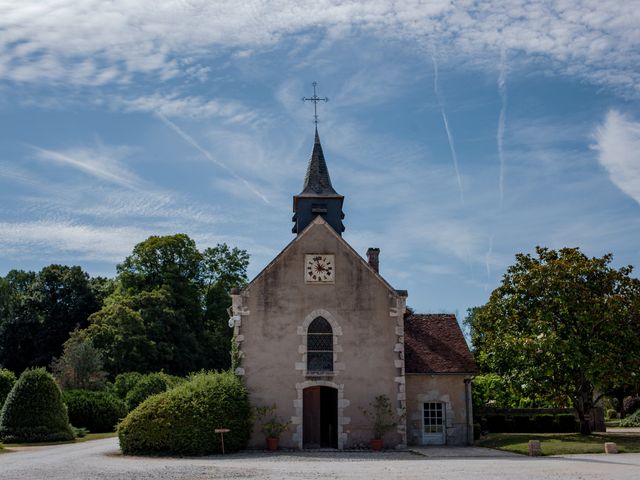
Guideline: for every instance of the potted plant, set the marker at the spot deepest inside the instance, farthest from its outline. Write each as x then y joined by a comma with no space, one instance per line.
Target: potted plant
272,425
382,418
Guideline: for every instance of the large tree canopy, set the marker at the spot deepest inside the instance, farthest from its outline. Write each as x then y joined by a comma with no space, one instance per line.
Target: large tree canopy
561,325
39,310
169,308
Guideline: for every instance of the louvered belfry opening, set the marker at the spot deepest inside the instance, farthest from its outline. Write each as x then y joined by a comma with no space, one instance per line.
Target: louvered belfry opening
319,346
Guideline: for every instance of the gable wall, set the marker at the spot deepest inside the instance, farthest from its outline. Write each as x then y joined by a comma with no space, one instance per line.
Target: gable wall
367,321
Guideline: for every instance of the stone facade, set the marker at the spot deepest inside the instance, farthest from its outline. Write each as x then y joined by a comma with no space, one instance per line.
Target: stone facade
272,315
453,391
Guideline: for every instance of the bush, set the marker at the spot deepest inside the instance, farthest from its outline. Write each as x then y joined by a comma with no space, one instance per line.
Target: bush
521,424
124,382
632,420
496,423
79,432
148,385
182,420
33,411
95,411
567,423
631,405
611,414
7,380
544,423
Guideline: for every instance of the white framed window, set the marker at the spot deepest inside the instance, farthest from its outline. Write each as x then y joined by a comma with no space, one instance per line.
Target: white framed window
433,423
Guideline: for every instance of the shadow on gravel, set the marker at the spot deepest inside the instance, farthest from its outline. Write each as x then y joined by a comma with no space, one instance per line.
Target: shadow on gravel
606,459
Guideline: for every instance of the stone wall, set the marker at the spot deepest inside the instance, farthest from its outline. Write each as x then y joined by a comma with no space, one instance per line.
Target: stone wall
271,318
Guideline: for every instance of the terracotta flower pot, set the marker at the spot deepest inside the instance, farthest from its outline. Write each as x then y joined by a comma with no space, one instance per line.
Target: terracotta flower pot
376,444
272,443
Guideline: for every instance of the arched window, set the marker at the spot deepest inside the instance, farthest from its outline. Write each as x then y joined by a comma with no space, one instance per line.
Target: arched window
319,346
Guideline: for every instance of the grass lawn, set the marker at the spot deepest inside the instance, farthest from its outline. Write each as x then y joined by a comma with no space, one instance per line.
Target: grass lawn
89,436
561,443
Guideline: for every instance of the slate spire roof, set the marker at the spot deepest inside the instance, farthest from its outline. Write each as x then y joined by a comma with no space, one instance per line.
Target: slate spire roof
317,182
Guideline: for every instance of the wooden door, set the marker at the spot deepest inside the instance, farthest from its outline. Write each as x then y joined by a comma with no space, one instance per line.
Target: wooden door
311,417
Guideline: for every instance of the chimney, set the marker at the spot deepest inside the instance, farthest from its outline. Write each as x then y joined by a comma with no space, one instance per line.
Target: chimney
373,257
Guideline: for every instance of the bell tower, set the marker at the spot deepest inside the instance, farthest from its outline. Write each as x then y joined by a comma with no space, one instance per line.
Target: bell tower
318,196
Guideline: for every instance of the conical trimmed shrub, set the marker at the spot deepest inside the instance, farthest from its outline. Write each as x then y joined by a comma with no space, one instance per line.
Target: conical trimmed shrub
33,411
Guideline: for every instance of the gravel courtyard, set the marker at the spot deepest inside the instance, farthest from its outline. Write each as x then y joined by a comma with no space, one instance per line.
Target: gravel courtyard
101,459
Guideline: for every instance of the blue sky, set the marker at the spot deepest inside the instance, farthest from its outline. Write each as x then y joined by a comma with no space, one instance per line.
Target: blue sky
460,133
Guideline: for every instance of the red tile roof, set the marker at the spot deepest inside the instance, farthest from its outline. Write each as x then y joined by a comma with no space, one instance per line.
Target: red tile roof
433,343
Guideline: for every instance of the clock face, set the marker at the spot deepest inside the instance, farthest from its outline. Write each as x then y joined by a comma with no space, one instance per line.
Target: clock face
319,268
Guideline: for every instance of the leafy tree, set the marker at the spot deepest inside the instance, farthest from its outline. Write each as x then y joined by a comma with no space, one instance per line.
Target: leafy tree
561,325
493,390
168,310
171,260
19,320
80,366
224,268
120,332
39,310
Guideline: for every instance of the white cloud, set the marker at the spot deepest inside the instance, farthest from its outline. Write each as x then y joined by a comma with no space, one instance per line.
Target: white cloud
87,242
95,42
618,145
174,105
103,162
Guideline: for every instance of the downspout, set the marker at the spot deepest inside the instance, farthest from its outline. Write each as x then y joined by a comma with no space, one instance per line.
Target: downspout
467,401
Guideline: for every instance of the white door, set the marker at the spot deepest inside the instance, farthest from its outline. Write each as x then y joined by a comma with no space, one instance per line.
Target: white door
433,424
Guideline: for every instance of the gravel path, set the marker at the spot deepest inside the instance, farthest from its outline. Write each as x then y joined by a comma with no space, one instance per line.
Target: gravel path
101,459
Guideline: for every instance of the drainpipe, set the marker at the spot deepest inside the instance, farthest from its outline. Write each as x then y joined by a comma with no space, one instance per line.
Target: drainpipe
467,401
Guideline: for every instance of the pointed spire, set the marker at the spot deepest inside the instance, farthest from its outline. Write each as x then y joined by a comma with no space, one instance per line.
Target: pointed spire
317,181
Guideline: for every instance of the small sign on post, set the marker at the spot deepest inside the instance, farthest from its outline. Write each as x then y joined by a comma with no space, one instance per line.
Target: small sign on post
222,431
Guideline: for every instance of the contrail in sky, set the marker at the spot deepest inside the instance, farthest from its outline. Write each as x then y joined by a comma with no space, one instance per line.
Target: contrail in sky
487,257
502,120
452,146
191,141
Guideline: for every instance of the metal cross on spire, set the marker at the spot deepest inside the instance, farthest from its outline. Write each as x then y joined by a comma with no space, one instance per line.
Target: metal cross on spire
315,99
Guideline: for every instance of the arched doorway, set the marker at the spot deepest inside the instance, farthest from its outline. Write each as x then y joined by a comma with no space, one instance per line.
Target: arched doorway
320,417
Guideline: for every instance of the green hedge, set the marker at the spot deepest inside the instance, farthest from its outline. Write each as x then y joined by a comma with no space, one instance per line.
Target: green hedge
124,382
567,423
95,411
536,423
7,380
148,385
545,423
33,411
182,420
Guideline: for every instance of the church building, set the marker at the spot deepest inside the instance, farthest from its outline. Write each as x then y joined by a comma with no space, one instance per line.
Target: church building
321,333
